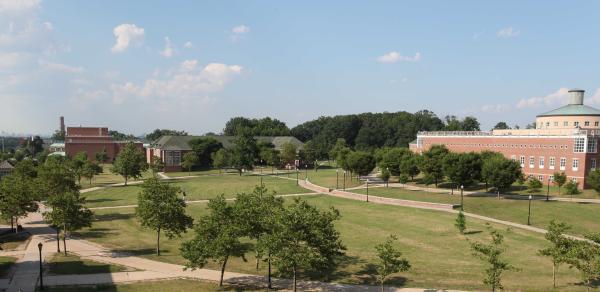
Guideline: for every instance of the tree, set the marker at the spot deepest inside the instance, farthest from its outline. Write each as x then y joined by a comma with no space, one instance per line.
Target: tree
392,159
156,165
288,153
403,178
410,165
244,151
90,169
500,172
217,238
390,260
256,127
305,239
102,156
221,159
55,177
77,164
69,213
203,148
158,133
160,209
593,180
491,253
339,146
560,178
572,188
534,184
190,159
561,246
501,126
361,163
385,176
17,196
461,222
462,168
431,162
584,255
130,163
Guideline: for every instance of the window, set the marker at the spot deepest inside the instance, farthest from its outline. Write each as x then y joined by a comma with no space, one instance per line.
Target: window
556,124
576,124
575,163
552,162
578,145
563,163
542,161
547,124
596,123
565,124
522,160
551,178
531,162
541,178
172,158
586,123
593,163
574,179
592,145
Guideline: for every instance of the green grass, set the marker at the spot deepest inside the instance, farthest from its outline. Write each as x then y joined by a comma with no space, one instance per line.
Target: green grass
326,177
439,255
59,264
199,172
12,241
5,264
107,178
196,189
151,286
584,218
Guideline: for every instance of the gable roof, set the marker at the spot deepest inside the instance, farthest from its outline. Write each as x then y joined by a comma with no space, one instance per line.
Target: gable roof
6,165
181,143
572,110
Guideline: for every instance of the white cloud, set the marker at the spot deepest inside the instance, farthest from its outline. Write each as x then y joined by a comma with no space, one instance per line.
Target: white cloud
188,45
508,32
393,57
594,99
127,35
558,97
11,60
59,67
188,65
168,51
240,29
18,6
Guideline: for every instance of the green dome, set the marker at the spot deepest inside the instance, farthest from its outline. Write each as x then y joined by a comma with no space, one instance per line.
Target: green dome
572,110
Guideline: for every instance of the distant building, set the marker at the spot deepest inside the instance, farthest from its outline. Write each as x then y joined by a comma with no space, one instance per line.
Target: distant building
56,147
564,140
170,149
5,168
93,140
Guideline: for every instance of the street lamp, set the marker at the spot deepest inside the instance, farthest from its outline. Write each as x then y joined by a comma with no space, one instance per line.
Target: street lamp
306,171
388,179
548,191
297,171
337,178
344,180
367,190
529,213
462,188
41,277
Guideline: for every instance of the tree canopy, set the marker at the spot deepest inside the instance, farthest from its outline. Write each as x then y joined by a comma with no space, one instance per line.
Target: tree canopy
157,133
256,127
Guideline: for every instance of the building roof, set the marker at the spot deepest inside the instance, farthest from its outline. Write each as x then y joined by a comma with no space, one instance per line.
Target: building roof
572,110
57,145
58,153
181,143
6,165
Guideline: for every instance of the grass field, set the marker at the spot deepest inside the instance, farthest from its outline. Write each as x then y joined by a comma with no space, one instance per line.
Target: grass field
440,256
584,218
59,264
151,286
107,178
196,189
5,265
12,241
326,177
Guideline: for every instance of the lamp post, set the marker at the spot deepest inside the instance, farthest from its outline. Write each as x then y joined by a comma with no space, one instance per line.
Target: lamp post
529,212
306,171
462,188
337,178
316,165
41,276
344,180
548,191
367,190
388,179
297,171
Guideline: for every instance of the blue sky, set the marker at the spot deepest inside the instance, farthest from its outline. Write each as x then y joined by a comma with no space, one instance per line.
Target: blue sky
138,65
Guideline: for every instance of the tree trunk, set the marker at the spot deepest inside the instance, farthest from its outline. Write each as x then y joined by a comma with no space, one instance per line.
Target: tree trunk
158,242
257,261
125,180
382,288
554,276
498,194
12,223
294,270
57,240
17,224
65,240
223,271
269,273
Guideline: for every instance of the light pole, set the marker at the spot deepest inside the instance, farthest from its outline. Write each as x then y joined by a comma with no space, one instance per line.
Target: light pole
388,179
548,191
337,178
462,188
297,176
529,213
41,277
316,165
306,171
344,180
367,190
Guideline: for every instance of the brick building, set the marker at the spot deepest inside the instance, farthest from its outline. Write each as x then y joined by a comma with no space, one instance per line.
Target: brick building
93,140
564,140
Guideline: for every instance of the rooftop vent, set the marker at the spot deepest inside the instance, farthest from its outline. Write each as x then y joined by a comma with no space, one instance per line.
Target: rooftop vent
576,96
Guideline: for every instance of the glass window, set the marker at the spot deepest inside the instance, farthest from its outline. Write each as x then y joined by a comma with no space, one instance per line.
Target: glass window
563,163
547,124
542,161
593,163
556,124
513,157
551,178
522,160
565,123
575,163
576,124
596,123
541,178
592,146
531,161
578,145
586,123
552,161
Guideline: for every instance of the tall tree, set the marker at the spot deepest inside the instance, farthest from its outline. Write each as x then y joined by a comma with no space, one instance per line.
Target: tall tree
68,212
500,172
462,168
289,153
217,238
361,163
390,260
257,127
17,196
158,133
130,163
77,164
593,180
203,148
491,253
244,151
160,209
560,248
501,126
432,162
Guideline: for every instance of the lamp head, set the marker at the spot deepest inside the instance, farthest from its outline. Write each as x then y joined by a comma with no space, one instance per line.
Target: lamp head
40,246
530,197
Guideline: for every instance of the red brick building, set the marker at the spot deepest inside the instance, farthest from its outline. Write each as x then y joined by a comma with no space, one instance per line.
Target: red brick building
565,140
93,140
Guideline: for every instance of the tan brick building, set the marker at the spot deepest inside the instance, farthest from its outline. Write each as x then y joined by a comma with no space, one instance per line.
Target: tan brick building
565,140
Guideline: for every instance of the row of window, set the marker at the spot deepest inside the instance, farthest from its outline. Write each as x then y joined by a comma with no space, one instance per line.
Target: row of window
566,124
540,146
552,162
551,178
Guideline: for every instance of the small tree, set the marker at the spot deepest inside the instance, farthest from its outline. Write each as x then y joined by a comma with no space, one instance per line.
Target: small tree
17,197
160,209
561,246
461,222
572,188
217,238
593,180
385,176
90,169
492,254
390,260
69,213
431,163
534,184
130,163
584,255
156,165
221,159
560,178
190,160
102,156
500,172
78,163
403,178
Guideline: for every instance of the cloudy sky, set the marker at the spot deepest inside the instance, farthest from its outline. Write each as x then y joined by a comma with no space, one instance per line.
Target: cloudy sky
138,65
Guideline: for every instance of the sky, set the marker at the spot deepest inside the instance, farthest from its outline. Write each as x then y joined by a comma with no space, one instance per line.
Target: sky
134,66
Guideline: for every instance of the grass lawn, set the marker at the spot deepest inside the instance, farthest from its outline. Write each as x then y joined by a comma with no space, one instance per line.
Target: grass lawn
5,265
326,177
196,189
107,178
584,218
151,286
59,264
439,255
13,240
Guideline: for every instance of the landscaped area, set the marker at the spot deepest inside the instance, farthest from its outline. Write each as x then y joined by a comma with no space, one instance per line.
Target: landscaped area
59,264
153,286
107,178
440,256
196,189
13,241
328,178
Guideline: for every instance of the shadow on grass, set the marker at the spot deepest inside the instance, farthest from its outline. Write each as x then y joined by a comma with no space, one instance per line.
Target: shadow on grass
114,216
103,200
73,265
368,276
95,233
12,239
338,272
472,232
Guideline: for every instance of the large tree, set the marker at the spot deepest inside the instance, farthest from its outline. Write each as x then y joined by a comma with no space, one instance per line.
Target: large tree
160,209
189,160
462,168
157,133
501,126
500,172
432,162
221,159
68,213
584,255
18,195
203,148
256,127
130,163
361,163
289,153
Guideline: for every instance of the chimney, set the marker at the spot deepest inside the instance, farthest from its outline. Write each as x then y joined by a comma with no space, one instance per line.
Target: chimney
576,96
62,124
